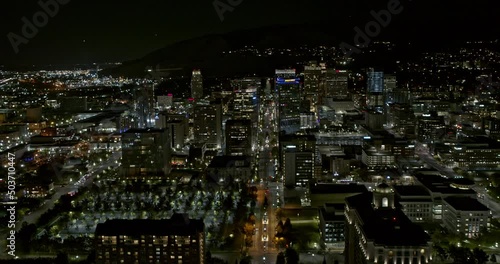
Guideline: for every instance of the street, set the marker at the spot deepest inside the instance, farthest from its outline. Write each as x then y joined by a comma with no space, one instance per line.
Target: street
263,249
32,218
483,196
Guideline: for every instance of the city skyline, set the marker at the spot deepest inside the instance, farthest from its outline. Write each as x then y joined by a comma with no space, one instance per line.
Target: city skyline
228,131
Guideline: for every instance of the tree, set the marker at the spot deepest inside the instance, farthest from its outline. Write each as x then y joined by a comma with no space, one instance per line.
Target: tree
62,258
480,256
279,214
251,218
266,203
248,241
441,252
493,258
287,226
292,257
460,255
248,229
217,261
279,229
91,257
209,256
281,258
275,151
246,260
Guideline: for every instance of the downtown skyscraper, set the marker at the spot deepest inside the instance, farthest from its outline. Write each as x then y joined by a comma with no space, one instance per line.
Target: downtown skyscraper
313,86
289,100
375,90
196,85
336,84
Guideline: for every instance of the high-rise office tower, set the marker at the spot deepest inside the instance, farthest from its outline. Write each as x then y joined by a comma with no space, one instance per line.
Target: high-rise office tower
313,76
336,84
208,123
375,120
403,119
145,106
313,86
165,101
289,100
177,129
176,240
245,101
239,138
389,87
146,153
299,167
402,95
253,83
375,90
430,128
375,82
297,159
197,85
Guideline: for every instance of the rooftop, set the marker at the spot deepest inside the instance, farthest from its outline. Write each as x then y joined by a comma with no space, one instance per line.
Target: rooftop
100,117
411,190
331,215
179,224
143,130
465,204
229,161
386,227
288,138
438,184
326,188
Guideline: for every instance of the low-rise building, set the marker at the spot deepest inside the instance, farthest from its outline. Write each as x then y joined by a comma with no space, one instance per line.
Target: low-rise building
176,240
331,225
226,169
415,201
378,232
465,215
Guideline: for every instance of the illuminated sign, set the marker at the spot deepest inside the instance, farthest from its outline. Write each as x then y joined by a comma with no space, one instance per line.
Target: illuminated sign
280,80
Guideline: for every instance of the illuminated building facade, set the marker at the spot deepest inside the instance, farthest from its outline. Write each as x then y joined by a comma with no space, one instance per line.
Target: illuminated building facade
176,240
336,84
289,100
239,137
208,123
375,90
196,85
377,231
465,215
145,153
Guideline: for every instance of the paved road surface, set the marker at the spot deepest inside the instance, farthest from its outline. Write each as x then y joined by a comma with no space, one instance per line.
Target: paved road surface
59,191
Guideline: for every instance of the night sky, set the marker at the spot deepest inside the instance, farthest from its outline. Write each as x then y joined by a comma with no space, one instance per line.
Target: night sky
85,31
